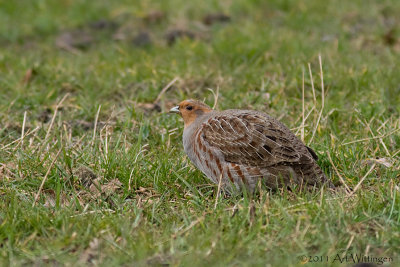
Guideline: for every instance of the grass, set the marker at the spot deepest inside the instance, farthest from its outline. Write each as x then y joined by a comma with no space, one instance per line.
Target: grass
121,191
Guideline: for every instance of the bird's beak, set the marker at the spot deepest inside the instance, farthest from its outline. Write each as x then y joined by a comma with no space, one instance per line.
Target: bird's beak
174,110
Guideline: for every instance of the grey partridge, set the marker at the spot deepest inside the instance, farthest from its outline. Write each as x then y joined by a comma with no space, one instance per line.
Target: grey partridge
239,148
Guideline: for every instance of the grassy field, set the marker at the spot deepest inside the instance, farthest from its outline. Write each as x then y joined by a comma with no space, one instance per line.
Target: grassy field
92,168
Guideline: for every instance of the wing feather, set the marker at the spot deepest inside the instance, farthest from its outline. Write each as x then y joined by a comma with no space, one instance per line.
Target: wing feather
254,140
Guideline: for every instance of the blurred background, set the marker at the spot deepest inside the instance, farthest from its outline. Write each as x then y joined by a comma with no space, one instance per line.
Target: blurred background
130,50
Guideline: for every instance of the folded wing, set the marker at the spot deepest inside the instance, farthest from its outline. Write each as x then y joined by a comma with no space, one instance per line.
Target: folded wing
254,139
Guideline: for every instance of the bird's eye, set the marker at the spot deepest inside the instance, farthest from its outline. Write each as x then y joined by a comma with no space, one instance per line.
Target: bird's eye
189,107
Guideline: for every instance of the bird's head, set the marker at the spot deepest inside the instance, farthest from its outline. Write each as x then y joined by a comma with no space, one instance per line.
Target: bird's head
190,110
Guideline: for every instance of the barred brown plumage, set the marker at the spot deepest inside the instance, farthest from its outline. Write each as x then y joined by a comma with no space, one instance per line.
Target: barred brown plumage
244,146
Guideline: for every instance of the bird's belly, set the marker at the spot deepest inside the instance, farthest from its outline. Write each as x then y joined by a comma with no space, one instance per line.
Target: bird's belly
206,163
231,175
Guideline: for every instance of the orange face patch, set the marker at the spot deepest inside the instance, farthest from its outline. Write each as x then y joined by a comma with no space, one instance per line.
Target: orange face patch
191,109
